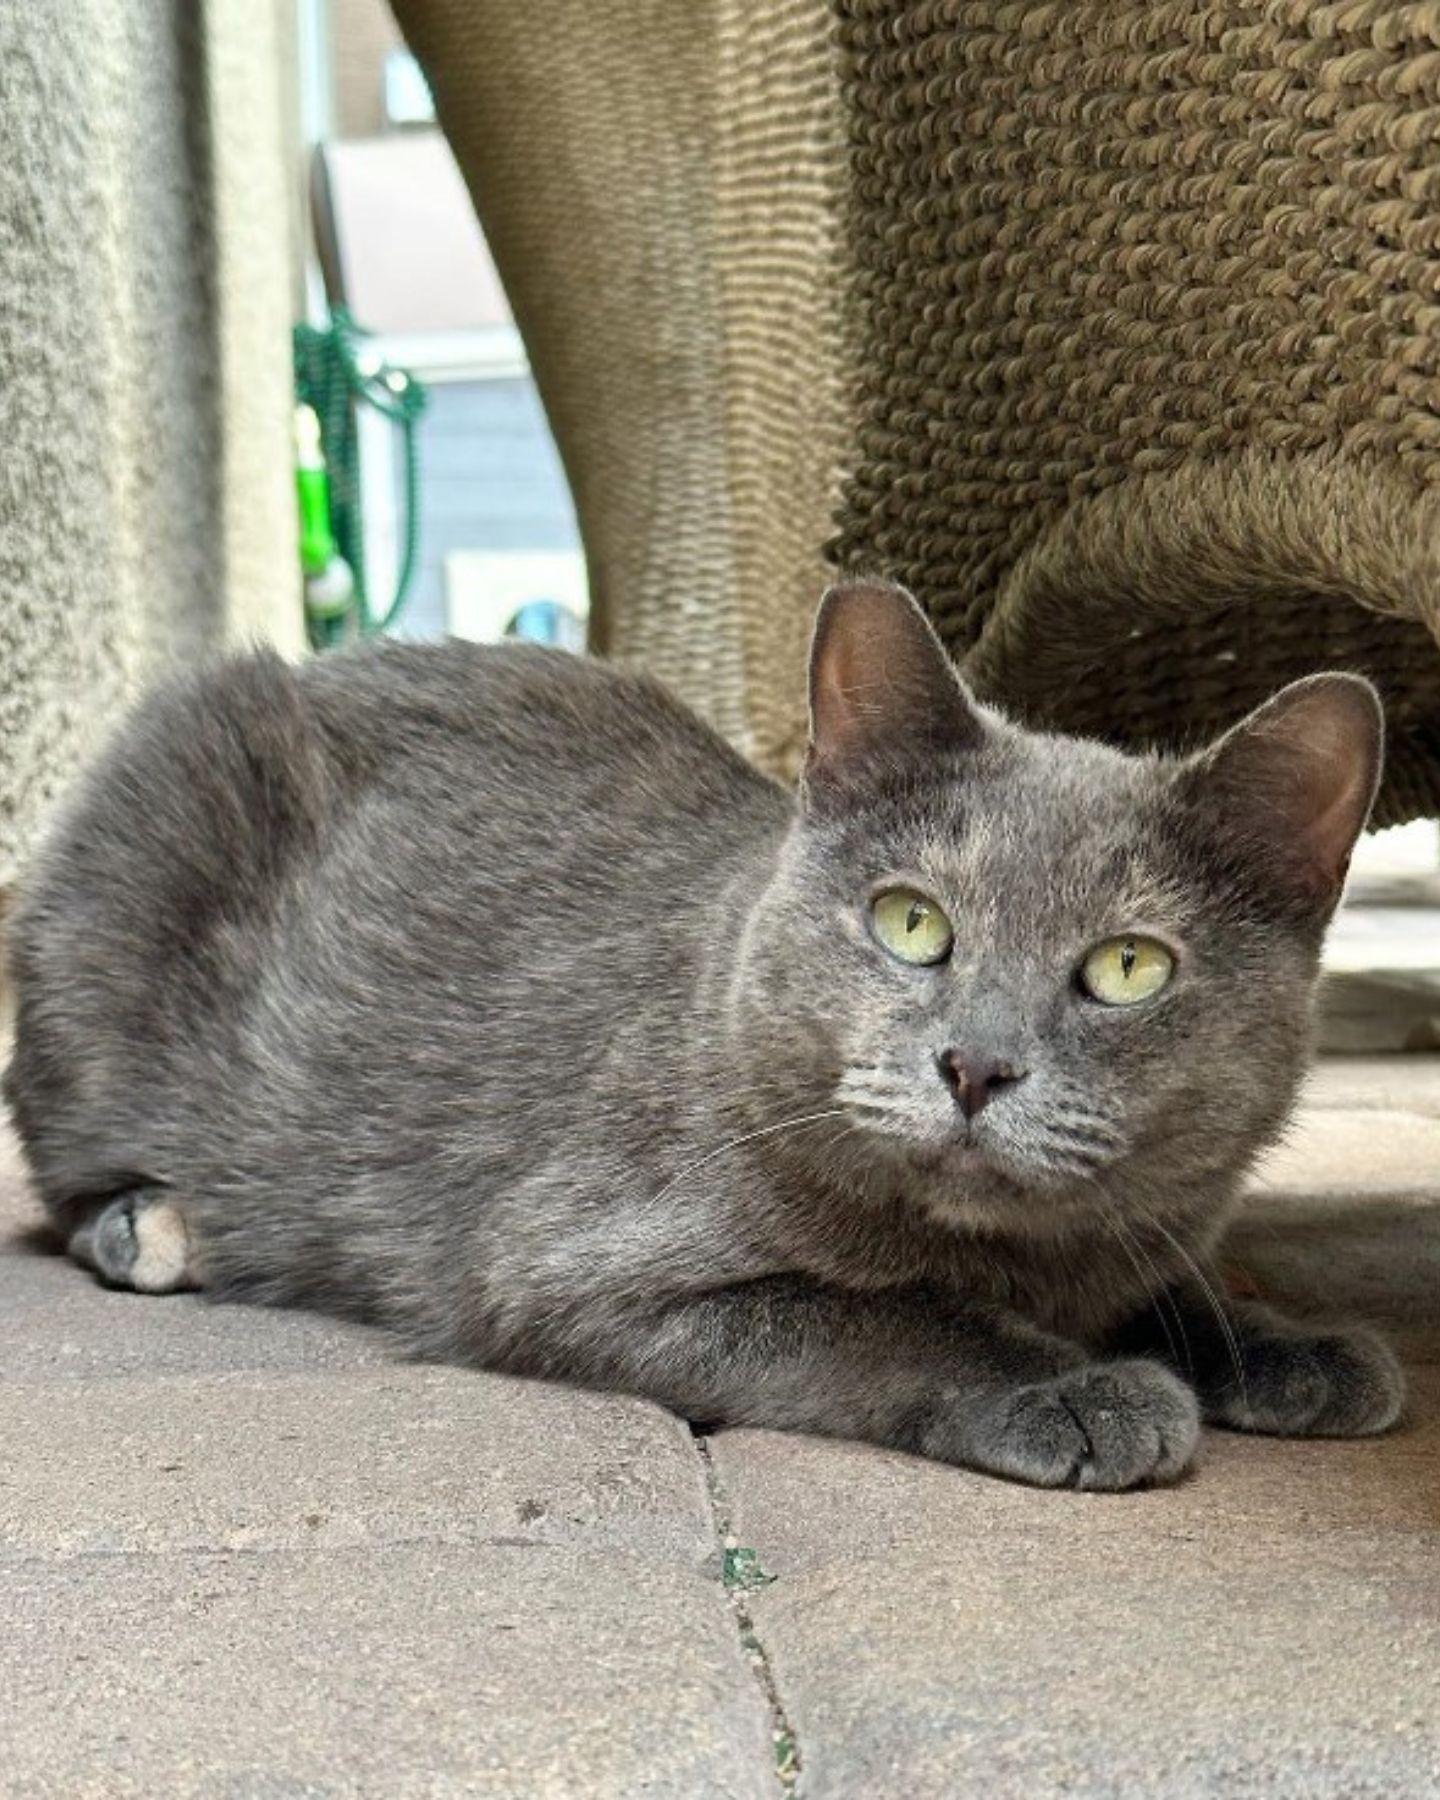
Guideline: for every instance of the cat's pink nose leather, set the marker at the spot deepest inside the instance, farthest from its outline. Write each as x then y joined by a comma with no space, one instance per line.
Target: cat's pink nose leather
975,1080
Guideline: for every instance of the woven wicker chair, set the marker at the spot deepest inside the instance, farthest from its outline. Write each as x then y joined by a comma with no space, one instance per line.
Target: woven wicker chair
1110,326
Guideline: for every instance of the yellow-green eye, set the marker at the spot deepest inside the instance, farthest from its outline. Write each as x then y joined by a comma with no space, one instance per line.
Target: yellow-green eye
1125,970
911,927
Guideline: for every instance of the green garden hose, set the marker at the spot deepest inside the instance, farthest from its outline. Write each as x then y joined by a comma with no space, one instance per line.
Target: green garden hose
336,372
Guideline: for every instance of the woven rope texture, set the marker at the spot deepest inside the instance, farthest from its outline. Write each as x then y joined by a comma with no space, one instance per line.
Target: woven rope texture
1147,315
660,187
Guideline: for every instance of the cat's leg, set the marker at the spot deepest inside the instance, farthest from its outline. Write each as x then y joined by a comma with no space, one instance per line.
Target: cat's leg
911,1371
138,1239
1257,1371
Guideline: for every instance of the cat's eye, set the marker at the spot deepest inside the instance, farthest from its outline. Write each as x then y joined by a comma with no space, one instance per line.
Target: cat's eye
911,927
1125,970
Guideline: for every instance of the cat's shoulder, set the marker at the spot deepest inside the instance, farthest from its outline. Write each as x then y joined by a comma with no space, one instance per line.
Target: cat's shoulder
465,676
510,692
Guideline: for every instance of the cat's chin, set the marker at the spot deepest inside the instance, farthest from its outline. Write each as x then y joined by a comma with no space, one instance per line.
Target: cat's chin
965,1182
955,1155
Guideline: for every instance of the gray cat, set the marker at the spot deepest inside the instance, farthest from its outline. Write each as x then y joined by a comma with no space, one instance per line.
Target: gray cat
487,995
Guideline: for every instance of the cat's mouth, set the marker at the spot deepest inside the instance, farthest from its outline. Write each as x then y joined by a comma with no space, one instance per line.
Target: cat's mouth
961,1148
964,1147
969,1154
1022,1150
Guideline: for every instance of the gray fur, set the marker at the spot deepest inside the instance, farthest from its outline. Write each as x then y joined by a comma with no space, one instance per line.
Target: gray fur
485,994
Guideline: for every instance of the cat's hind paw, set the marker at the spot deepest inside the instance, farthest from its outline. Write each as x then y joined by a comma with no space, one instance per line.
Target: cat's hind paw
138,1240
1105,1426
1326,1384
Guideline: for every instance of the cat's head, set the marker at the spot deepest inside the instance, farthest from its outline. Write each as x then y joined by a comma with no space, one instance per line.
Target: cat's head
1029,970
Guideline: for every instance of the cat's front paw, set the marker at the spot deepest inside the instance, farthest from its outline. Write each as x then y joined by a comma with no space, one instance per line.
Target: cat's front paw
1331,1384
1105,1425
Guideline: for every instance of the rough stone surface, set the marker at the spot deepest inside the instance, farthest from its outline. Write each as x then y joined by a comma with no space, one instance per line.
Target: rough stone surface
57,1323
1385,1083
1270,1627
251,1555
147,511
1355,1150
416,1670
1080,1662
397,1455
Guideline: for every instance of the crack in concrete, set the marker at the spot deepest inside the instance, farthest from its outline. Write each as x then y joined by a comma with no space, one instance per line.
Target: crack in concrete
741,1574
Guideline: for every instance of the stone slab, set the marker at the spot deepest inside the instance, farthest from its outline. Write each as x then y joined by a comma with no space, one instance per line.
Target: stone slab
1375,1083
1269,1627
391,1455
1369,1150
815,1502
410,1673
1165,1671
56,1321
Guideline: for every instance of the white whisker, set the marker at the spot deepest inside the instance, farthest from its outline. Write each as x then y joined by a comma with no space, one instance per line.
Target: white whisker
1153,1283
1227,1330
834,1112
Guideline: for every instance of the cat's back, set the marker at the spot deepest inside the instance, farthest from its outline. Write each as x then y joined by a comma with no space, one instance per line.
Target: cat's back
245,766
516,725
396,820
233,781
530,789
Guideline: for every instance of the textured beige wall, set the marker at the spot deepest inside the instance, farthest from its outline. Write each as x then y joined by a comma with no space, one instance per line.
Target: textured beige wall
146,509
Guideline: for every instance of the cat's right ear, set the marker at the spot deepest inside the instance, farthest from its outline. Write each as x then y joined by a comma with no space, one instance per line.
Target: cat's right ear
882,689
1291,786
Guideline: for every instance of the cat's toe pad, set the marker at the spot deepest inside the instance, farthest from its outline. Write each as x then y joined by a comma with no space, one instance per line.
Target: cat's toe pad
1332,1384
138,1241
1105,1426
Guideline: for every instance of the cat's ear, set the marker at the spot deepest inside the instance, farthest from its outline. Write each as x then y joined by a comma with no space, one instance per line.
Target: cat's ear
882,688
1294,782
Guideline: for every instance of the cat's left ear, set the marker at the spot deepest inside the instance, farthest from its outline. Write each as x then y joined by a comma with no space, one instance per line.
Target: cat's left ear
882,689
1294,782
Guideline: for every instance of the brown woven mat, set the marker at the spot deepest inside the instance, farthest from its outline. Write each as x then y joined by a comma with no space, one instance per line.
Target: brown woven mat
1149,299
1123,316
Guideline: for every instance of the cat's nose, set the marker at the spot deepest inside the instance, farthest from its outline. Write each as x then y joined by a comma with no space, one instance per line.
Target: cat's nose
976,1080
